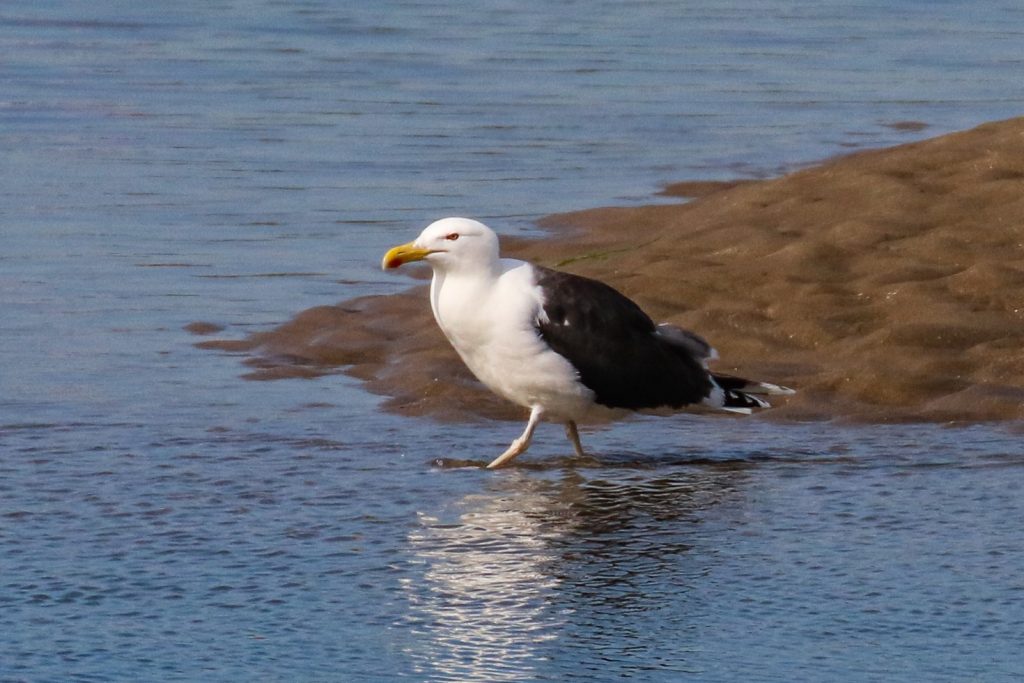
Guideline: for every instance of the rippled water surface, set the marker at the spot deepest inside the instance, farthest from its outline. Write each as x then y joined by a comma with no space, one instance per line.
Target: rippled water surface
235,163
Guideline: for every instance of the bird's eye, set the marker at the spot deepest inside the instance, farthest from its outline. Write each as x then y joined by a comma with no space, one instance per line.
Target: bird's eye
452,237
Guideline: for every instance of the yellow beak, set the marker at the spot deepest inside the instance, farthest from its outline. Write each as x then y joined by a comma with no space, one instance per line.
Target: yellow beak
403,253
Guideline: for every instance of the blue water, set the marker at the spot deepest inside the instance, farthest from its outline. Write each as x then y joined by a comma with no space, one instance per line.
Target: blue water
236,163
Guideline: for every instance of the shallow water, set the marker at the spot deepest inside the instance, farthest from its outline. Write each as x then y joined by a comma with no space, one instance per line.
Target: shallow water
162,519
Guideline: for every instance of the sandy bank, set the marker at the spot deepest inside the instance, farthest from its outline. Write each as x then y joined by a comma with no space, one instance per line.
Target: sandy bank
885,285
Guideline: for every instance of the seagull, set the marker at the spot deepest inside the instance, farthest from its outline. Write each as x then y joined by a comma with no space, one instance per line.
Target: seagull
568,348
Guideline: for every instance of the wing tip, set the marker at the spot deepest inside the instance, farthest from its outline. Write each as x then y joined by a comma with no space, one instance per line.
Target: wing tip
772,389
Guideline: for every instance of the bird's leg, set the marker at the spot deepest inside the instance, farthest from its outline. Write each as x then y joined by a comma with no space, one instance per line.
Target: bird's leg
523,442
574,437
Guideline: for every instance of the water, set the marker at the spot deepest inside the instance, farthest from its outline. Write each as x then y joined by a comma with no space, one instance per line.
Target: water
162,519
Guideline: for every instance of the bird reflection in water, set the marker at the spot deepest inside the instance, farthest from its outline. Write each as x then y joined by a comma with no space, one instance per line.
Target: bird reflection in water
483,604
546,563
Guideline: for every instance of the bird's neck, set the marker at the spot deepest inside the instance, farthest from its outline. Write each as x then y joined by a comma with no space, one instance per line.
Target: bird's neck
459,293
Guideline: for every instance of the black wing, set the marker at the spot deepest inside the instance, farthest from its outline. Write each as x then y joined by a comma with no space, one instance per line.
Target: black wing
615,347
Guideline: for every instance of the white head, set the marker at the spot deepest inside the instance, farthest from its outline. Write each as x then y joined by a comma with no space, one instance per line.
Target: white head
448,245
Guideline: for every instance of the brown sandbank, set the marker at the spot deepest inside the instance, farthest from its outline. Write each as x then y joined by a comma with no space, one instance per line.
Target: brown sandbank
886,285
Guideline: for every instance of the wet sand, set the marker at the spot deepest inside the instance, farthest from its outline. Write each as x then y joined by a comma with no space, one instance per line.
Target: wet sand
887,285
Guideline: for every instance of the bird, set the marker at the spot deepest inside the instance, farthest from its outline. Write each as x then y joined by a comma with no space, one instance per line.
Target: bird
570,349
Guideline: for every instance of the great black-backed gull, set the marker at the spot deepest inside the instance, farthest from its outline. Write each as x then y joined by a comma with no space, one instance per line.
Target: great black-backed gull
568,348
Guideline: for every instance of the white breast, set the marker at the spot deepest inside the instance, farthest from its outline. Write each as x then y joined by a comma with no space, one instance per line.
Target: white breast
491,323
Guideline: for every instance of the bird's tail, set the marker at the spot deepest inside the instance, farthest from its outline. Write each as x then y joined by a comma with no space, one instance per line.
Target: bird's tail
738,395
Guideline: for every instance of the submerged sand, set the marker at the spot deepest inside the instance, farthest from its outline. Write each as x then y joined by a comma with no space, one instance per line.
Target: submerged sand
886,285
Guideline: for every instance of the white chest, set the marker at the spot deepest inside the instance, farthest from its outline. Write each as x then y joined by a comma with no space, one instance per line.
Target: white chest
491,324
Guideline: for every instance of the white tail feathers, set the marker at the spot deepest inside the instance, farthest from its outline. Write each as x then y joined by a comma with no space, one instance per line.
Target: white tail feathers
738,411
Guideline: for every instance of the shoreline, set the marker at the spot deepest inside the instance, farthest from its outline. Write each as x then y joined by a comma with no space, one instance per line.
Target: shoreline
885,286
